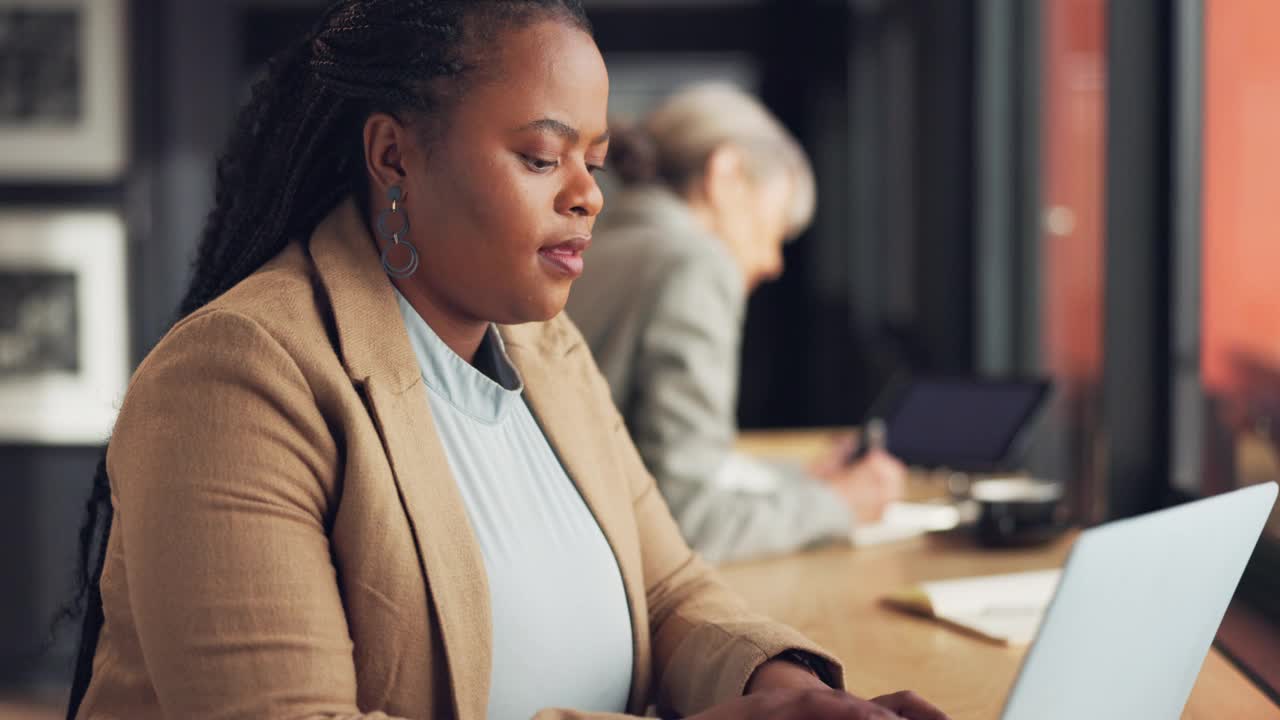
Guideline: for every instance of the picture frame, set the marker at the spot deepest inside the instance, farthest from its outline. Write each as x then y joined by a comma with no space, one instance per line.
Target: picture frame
64,102
64,331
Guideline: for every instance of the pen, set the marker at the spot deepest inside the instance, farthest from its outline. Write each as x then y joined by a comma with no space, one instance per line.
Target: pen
874,436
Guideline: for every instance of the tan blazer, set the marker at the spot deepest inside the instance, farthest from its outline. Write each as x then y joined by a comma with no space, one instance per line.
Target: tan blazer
289,543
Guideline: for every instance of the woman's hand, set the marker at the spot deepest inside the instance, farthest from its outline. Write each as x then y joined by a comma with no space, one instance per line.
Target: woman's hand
869,485
837,454
821,704
782,690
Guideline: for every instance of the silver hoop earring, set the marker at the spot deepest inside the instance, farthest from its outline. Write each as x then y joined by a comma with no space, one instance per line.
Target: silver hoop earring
390,240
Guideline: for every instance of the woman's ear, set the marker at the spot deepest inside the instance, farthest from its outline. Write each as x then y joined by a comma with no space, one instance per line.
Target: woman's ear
385,142
722,177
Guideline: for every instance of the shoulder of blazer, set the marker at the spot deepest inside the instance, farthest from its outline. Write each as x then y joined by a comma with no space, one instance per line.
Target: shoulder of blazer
283,297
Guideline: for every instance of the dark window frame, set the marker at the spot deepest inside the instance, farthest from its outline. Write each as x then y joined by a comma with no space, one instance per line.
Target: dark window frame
1258,595
1260,585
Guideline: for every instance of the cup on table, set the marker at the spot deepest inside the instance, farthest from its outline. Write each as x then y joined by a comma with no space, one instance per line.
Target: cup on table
1016,510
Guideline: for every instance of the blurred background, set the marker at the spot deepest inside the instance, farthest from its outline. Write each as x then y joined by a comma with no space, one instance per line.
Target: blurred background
1083,189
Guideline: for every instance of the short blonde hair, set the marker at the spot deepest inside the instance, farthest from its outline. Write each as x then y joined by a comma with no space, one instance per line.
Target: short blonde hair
673,143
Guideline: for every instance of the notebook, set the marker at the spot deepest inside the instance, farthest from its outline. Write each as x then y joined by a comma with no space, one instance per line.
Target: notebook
1005,609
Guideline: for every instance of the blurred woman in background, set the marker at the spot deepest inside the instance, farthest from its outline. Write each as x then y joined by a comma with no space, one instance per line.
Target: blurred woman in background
714,187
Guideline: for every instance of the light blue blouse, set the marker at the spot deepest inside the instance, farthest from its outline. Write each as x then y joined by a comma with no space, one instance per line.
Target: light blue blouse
561,626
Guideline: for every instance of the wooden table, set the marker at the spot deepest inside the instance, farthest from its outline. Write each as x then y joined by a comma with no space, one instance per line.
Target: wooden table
799,445
834,596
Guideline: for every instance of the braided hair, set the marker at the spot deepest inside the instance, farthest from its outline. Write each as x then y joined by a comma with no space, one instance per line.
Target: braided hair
296,151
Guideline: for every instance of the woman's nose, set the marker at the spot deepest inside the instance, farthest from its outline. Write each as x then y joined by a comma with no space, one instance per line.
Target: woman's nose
581,196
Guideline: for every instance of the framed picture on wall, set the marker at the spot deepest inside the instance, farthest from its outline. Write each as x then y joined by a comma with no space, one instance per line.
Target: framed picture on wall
64,334
63,90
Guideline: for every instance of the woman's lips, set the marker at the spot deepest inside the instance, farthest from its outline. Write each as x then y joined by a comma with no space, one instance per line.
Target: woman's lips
566,257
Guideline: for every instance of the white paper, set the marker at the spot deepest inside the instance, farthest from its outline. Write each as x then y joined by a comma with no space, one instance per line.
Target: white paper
1002,607
903,520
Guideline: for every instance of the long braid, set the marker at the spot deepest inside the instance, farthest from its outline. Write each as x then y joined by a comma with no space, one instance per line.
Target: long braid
295,151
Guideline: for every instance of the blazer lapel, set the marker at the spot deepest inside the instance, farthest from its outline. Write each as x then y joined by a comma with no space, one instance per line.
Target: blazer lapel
375,348
564,411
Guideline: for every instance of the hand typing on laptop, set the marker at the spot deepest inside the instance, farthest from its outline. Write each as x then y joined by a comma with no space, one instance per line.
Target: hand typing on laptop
782,691
824,704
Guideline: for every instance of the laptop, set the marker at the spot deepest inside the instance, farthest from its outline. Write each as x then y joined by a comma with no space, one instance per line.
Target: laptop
1135,612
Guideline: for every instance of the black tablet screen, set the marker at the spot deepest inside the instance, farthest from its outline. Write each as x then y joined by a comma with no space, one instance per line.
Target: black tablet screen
963,424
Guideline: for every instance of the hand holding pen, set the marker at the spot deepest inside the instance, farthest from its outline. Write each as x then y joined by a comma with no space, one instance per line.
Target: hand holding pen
863,473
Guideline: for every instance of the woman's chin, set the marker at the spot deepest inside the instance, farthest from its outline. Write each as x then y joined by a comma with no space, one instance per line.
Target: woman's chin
545,305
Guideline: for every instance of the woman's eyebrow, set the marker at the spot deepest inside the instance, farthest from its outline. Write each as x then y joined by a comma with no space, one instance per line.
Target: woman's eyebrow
563,130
